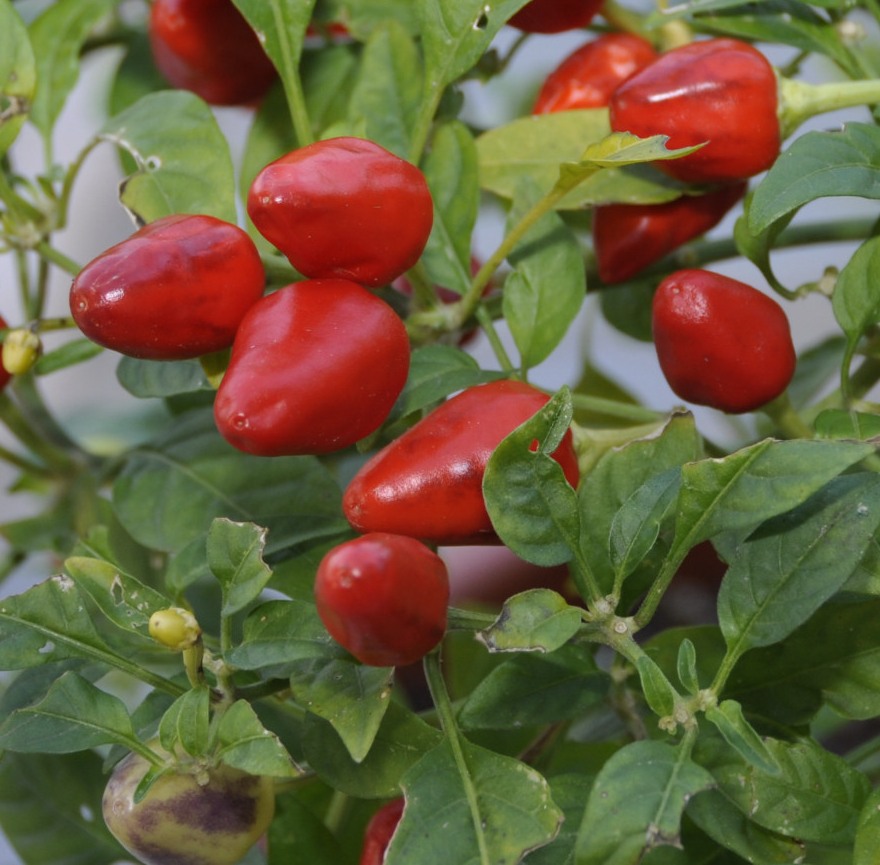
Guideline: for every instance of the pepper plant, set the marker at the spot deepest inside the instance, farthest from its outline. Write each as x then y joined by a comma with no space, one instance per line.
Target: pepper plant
176,654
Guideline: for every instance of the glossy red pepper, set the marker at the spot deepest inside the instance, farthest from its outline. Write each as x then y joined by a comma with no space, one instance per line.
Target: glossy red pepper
589,75
344,207
627,238
427,483
315,367
721,91
208,47
383,597
720,342
176,288
379,831
555,16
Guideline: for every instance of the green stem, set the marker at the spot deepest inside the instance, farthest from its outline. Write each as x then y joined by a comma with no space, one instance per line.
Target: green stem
468,620
800,100
615,408
20,208
485,320
58,258
422,129
658,588
10,416
440,696
786,420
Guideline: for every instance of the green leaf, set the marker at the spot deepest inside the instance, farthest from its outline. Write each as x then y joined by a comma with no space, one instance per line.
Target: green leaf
740,491
57,37
71,353
73,716
793,564
534,689
616,477
435,372
813,795
235,557
50,809
833,659
818,165
659,693
245,744
733,830
450,168
868,832
487,807
536,147
537,620
401,741
728,717
637,802
530,503
171,490
686,666
125,601
18,77
278,634
855,302
386,96
546,288
186,723
297,833
636,526
281,27
456,33
841,424
161,378
183,159
352,697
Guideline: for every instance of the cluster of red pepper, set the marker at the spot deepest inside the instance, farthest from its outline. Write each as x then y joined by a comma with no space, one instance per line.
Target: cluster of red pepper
317,365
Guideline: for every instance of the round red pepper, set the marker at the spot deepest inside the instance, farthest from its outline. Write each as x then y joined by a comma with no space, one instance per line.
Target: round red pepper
721,91
588,76
208,47
383,597
627,238
427,483
176,288
555,16
720,342
379,831
346,208
5,375
315,367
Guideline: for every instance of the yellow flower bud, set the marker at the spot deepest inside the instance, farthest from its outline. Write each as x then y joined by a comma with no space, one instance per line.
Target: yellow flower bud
175,628
21,350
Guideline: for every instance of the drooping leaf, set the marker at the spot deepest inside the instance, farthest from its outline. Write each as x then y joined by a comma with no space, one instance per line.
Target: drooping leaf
17,74
246,744
537,620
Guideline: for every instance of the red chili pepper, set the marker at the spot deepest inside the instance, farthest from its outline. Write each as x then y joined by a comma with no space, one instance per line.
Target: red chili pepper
380,830
427,483
208,47
720,91
344,208
315,367
588,76
555,16
176,288
5,375
627,238
383,597
720,342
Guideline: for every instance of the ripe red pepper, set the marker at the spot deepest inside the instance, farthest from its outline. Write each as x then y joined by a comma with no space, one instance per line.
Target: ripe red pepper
208,47
5,375
383,597
344,208
555,16
721,91
427,483
315,366
589,75
627,238
720,342
176,288
379,831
